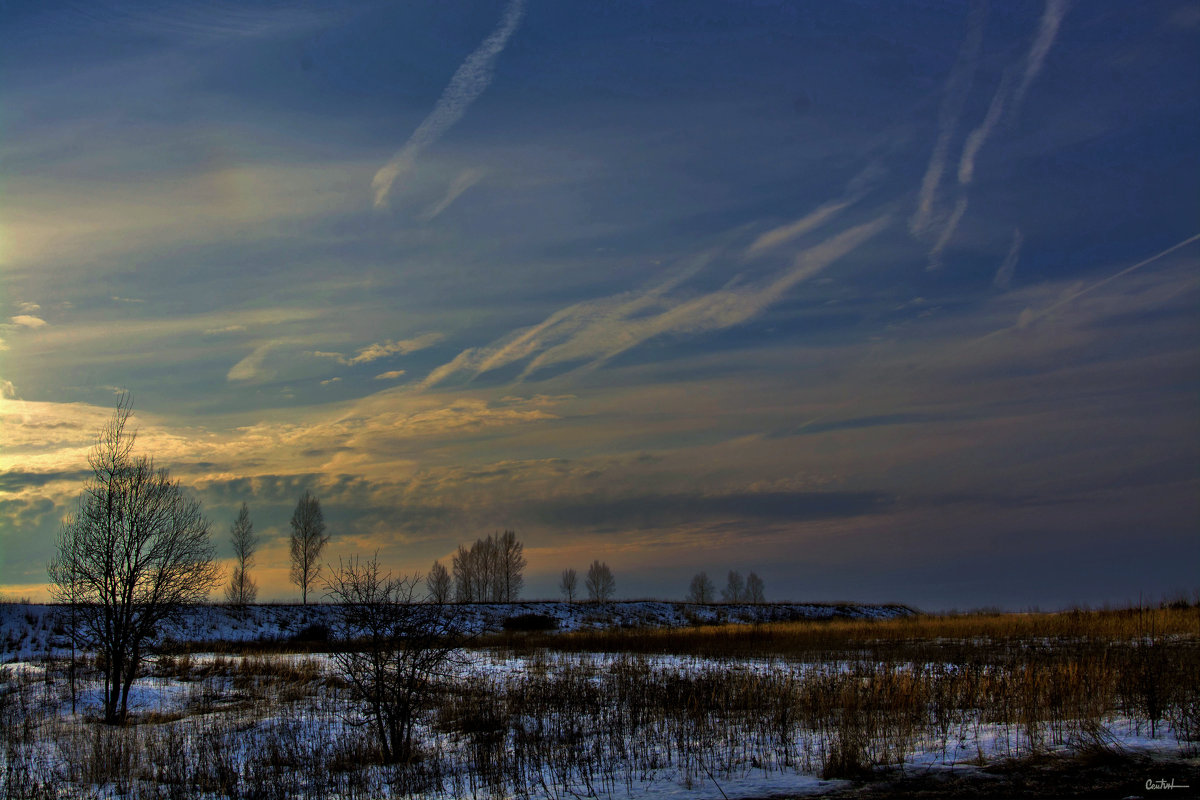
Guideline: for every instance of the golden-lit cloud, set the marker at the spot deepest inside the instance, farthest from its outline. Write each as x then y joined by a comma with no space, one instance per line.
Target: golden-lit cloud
27,321
253,367
378,350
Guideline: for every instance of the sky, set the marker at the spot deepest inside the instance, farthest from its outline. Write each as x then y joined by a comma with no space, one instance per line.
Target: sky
881,301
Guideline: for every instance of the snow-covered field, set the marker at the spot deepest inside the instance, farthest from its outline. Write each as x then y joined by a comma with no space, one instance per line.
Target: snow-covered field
220,718
557,725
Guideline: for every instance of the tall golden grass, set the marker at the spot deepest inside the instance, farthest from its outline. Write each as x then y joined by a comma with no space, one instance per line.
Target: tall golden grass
966,634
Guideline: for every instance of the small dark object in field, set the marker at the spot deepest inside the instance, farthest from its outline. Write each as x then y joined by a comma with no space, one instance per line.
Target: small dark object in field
530,622
316,632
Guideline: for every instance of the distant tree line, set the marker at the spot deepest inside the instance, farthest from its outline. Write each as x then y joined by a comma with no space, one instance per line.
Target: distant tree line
737,589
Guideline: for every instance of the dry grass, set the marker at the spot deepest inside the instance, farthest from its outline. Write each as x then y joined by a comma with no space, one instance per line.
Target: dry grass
842,699
970,634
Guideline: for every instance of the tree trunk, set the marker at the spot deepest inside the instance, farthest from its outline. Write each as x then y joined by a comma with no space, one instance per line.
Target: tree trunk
112,687
130,673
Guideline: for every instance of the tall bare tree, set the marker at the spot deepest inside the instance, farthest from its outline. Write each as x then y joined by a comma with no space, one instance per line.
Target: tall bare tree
569,585
491,570
600,582
437,583
464,577
135,553
754,589
701,589
308,540
735,588
512,563
402,648
242,589
486,560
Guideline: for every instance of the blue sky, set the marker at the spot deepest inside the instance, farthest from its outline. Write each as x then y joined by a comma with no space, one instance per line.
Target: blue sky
883,301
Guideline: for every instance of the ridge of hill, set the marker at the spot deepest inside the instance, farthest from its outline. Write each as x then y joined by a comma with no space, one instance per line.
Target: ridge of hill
29,629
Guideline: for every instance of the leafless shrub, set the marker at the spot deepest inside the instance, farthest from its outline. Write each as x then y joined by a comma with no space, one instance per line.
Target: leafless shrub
398,650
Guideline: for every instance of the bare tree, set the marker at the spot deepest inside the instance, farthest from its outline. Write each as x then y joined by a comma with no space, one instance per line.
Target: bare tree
242,589
512,566
398,654
492,570
701,589
735,588
754,589
437,584
134,554
308,540
464,575
600,583
485,569
569,584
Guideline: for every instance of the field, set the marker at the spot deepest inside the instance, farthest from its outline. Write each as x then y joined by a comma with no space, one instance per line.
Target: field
873,706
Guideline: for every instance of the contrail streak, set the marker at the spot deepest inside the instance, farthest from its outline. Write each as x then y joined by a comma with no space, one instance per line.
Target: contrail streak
1108,280
955,97
470,81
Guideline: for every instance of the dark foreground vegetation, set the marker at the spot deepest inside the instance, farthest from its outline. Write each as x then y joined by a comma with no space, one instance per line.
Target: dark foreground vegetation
1091,703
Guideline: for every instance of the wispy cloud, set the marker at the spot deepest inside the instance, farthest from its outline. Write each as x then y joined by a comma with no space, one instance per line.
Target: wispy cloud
27,321
1052,17
403,347
1005,98
1005,273
465,180
390,375
935,253
958,87
148,329
374,352
29,308
217,22
810,222
224,329
251,368
1008,97
594,332
473,76
977,137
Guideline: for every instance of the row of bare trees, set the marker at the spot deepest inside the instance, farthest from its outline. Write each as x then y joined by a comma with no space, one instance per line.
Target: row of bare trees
137,551
306,544
490,571
737,589
599,583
